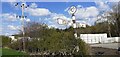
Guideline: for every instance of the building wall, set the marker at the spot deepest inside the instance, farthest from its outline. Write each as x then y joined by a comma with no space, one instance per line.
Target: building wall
13,38
81,25
113,39
94,38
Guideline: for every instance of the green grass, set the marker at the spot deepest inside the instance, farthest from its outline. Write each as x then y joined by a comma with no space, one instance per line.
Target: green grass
0,51
11,52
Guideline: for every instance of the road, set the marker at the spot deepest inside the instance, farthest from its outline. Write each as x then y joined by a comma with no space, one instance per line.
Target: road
108,45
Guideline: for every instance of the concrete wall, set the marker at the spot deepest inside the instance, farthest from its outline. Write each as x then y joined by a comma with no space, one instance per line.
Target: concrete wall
94,38
113,39
98,38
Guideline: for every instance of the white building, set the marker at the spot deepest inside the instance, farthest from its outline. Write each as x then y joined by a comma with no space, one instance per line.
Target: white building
113,39
98,38
81,25
13,38
19,38
94,38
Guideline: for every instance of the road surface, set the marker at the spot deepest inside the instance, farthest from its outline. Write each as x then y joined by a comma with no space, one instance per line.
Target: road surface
108,45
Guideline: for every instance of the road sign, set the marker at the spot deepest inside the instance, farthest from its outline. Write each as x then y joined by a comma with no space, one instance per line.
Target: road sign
61,21
72,10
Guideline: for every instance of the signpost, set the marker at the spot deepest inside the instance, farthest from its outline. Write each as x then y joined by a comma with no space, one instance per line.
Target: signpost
72,10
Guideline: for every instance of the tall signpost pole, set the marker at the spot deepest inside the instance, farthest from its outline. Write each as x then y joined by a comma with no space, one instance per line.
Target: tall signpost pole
72,11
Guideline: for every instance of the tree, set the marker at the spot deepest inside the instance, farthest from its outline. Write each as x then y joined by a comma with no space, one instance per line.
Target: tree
114,19
5,41
52,40
112,23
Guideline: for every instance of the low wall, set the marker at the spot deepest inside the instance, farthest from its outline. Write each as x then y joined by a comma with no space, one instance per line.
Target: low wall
113,39
94,38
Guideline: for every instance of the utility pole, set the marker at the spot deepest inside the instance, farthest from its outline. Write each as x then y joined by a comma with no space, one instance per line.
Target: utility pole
23,6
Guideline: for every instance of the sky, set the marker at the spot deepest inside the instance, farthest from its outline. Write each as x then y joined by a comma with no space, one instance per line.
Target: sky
48,12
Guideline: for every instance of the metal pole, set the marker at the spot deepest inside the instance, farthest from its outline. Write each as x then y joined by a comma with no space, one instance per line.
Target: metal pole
23,27
74,25
23,6
75,31
73,10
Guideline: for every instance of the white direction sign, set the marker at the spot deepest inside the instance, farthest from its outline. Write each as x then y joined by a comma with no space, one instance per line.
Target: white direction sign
72,10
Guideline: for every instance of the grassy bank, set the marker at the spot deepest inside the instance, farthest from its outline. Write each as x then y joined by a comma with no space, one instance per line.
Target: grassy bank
6,51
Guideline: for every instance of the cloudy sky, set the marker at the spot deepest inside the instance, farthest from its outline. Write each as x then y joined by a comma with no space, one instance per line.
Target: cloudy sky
47,12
